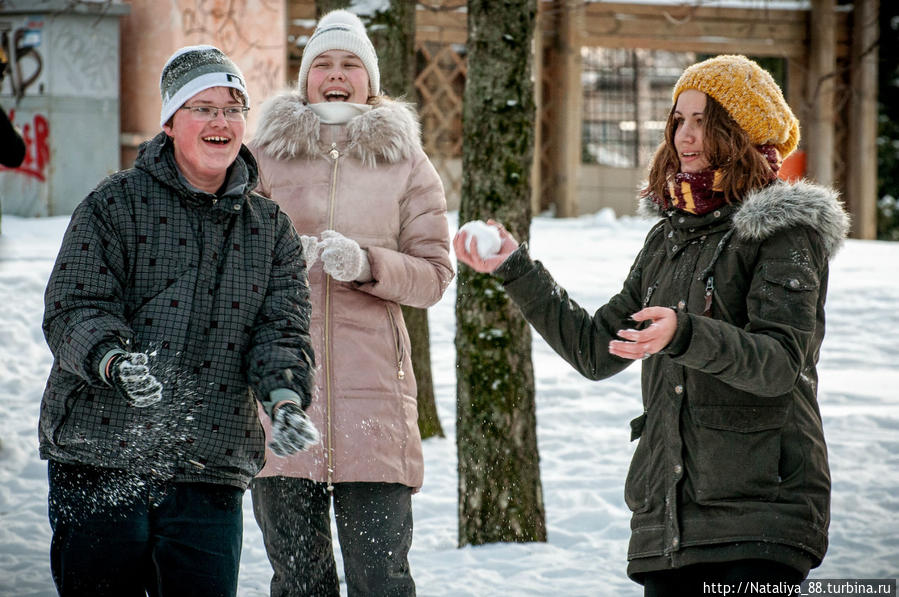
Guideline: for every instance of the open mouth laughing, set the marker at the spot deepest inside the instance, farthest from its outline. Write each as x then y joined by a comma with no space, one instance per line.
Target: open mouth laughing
336,95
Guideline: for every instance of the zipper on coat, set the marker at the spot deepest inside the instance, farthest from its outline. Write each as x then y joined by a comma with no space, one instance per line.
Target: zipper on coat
399,349
709,292
334,153
649,292
707,274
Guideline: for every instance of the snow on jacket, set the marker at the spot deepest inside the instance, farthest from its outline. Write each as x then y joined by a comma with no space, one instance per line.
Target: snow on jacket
213,288
369,180
731,461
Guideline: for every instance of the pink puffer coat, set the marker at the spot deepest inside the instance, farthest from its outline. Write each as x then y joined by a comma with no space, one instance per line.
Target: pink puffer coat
370,181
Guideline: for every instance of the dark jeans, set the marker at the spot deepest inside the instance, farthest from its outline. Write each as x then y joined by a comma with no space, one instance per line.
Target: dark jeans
374,526
119,534
741,577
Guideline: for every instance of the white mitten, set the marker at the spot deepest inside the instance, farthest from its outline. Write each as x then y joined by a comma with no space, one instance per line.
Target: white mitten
129,373
292,431
311,248
343,259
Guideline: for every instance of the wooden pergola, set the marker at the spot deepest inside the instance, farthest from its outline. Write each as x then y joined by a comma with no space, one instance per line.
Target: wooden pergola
831,70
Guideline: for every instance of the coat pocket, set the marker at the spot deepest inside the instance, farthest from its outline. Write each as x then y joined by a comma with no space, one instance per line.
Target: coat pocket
790,293
737,452
636,487
399,346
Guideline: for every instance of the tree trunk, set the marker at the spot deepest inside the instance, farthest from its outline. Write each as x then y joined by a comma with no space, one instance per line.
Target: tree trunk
420,337
500,495
323,7
394,38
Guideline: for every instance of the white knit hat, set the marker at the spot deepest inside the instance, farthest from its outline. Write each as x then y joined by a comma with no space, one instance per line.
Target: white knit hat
341,30
193,69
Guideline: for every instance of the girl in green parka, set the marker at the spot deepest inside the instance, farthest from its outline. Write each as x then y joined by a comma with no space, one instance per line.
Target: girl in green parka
725,307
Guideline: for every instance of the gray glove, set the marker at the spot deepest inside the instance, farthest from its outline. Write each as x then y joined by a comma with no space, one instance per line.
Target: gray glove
311,249
129,374
343,259
292,431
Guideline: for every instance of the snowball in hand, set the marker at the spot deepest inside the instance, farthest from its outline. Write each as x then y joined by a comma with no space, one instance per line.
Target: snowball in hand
488,237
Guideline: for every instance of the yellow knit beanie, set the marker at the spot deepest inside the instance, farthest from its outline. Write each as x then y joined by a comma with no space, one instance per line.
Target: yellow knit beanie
751,97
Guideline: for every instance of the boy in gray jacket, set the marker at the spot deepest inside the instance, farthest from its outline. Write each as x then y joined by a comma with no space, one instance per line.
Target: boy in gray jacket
178,300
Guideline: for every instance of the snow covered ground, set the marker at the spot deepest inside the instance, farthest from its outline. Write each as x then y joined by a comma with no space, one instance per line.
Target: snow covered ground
582,429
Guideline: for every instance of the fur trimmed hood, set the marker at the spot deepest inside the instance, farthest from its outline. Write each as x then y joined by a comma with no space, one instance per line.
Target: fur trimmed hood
288,128
784,205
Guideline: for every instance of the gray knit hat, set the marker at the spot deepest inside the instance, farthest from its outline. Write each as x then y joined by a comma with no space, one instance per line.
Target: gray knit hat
193,69
341,30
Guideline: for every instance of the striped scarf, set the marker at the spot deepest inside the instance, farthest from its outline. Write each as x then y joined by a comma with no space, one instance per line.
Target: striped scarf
695,192
700,192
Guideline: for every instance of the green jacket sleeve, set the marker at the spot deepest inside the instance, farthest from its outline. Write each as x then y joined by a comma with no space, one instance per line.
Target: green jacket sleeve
578,337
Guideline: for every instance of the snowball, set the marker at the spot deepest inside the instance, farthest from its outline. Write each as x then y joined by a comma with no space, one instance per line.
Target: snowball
488,237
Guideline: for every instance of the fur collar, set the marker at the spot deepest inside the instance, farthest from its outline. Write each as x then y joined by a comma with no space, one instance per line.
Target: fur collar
390,132
784,205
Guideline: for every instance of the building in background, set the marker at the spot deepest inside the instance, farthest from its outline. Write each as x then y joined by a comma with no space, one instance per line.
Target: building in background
602,69
83,84
253,33
62,91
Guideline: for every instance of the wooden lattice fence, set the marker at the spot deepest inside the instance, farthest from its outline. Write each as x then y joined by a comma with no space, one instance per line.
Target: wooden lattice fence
440,83
565,26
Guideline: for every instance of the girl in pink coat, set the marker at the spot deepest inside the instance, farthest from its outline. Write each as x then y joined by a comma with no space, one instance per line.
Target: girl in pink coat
346,164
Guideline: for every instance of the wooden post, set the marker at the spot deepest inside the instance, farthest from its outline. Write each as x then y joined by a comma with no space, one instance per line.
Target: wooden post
820,89
565,129
861,180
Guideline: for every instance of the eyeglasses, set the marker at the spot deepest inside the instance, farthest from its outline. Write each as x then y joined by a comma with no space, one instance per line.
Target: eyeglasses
207,113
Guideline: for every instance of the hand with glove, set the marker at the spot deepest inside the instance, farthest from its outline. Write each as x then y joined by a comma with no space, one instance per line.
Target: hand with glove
292,431
343,259
311,248
129,374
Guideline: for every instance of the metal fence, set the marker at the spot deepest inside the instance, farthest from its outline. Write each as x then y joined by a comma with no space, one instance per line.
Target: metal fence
627,96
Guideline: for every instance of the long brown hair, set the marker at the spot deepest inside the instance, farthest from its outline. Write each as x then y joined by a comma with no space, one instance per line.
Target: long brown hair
727,148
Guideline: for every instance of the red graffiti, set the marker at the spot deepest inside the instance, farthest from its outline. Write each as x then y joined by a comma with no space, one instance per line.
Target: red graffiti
37,149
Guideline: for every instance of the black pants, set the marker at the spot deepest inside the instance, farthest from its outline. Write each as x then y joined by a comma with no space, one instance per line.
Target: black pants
374,526
740,577
118,534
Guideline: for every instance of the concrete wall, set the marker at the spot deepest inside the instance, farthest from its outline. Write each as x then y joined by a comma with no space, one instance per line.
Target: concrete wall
63,94
604,186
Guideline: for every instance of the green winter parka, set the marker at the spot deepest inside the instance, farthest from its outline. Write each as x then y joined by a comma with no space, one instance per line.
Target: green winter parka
731,461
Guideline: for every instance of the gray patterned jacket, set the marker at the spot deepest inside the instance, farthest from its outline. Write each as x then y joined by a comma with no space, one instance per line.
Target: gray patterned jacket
213,288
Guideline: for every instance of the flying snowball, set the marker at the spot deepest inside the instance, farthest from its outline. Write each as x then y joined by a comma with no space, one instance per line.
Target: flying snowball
488,237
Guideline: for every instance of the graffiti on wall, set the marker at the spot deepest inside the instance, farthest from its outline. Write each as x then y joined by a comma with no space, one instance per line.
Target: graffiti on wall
36,134
225,23
84,61
268,74
24,64
19,48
